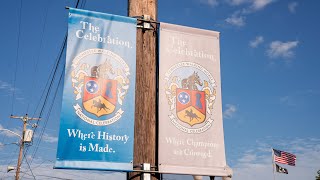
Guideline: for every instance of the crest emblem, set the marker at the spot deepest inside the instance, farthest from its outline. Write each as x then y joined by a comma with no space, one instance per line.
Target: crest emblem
99,88
99,96
190,92
191,106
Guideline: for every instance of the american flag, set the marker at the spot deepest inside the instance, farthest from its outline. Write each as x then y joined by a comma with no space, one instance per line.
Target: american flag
284,157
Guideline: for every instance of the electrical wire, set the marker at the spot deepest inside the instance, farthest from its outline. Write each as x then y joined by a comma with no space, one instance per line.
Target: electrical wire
40,164
51,76
40,46
46,121
7,144
11,159
51,161
29,167
44,105
48,93
51,83
52,177
17,57
16,64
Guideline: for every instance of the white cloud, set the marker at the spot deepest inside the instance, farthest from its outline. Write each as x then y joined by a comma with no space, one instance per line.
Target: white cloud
292,7
237,2
238,17
6,86
299,97
236,20
211,3
8,89
253,5
260,4
282,49
249,157
256,42
50,139
288,100
257,163
229,112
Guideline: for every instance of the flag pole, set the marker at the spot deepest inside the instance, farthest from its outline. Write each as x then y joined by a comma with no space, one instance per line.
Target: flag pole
274,175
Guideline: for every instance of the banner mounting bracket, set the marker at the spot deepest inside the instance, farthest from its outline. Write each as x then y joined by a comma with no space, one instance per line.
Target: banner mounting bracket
145,22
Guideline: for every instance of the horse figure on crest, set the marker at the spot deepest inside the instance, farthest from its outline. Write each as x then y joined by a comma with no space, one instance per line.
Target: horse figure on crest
191,82
99,105
191,115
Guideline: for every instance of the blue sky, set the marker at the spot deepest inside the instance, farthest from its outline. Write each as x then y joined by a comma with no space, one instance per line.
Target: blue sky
269,69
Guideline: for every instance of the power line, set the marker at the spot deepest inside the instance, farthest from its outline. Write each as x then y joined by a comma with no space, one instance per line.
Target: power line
25,119
41,164
51,76
52,161
49,89
29,167
41,44
7,144
48,92
51,177
17,57
46,119
11,159
16,62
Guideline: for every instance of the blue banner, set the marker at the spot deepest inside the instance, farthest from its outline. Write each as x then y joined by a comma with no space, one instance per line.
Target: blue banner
97,116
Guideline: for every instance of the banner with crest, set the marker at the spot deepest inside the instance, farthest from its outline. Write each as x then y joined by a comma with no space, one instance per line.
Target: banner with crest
191,139
97,115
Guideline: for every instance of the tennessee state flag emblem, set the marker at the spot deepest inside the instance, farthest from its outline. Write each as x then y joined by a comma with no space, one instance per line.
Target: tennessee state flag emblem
190,106
99,95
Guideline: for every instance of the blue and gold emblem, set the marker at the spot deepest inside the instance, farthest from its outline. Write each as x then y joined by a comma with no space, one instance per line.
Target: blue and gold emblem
190,91
99,88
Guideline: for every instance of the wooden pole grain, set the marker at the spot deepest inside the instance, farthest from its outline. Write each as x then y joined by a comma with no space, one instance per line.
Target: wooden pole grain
145,141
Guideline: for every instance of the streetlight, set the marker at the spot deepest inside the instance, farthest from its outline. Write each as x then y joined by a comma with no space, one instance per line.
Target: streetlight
10,168
25,138
11,132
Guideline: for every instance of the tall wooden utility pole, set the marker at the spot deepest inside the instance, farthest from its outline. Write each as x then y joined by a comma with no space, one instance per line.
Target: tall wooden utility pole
25,120
145,106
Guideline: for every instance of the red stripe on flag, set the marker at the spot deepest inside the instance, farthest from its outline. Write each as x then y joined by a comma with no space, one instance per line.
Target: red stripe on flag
286,158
